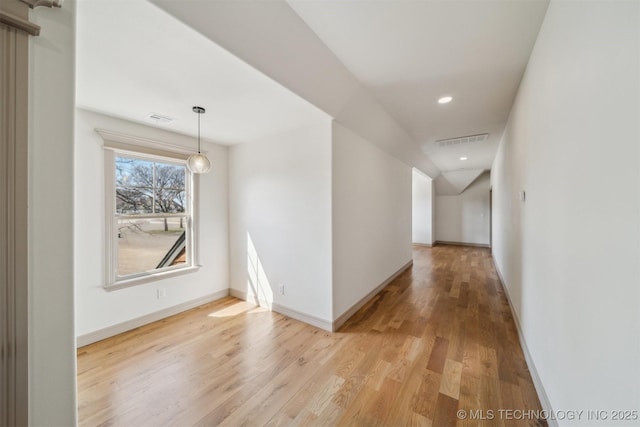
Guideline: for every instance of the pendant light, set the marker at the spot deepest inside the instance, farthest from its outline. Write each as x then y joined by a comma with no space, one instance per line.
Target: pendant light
199,163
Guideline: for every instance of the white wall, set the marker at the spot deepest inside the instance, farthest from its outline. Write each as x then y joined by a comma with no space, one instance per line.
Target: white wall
280,204
97,308
464,218
569,254
371,217
52,362
422,208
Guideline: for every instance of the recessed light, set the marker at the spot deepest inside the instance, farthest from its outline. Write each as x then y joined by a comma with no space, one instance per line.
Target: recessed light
463,158
445,100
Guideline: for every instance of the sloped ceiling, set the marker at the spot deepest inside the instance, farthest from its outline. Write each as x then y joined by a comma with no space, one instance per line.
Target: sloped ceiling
411,53
270,36
377,67
451,183
134,59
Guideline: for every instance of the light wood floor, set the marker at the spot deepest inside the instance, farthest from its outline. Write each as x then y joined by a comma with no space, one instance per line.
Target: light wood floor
438,339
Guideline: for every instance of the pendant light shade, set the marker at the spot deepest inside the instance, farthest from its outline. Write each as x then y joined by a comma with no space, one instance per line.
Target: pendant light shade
199,163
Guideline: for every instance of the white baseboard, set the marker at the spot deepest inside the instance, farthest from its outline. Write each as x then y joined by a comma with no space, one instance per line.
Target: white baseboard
315,321
241,295
425,245
306,318
537,382
311,320
110,331
358,305
476,245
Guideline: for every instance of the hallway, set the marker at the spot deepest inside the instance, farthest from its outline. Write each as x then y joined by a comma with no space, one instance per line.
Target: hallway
438,340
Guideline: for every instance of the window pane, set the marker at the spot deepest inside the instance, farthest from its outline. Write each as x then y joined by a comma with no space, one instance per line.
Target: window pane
132,172
170,201
144,187
170,176
149,244
132,201
170,196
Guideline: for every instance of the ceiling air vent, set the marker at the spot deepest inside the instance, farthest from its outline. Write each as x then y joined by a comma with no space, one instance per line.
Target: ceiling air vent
462,140
158,118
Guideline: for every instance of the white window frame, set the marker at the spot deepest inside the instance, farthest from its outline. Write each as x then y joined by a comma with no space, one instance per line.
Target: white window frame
118,144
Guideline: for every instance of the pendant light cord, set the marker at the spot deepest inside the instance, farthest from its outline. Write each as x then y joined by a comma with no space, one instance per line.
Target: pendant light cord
199,133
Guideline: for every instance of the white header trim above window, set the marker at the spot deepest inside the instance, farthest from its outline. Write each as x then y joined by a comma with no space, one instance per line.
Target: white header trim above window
120,141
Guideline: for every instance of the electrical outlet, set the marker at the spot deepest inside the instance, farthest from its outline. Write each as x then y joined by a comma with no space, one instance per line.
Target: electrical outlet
522,195
281,288
162,292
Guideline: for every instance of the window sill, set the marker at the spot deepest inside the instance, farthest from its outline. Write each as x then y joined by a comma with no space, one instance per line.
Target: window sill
151,277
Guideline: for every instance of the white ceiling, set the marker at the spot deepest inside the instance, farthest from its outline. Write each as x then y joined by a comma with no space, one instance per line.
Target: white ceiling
390,59
455,182
133,59
410,53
